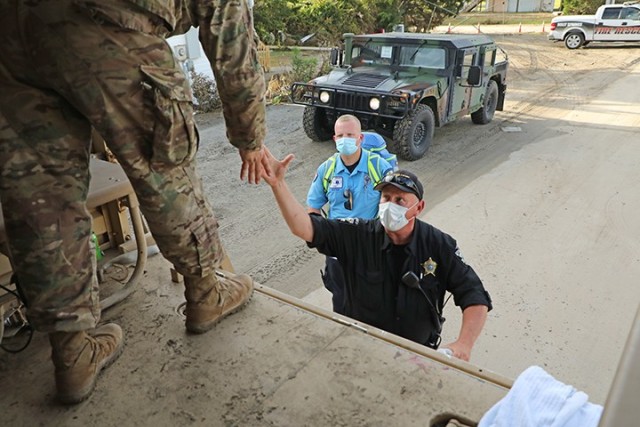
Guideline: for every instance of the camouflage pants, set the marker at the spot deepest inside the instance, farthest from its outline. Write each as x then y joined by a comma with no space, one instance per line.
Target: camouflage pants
62,72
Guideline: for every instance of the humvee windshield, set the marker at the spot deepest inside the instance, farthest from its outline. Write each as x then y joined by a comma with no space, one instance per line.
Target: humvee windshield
425,57
380,53
371,53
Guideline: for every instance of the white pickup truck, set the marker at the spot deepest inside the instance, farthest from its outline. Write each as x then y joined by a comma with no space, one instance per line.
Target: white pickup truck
611,23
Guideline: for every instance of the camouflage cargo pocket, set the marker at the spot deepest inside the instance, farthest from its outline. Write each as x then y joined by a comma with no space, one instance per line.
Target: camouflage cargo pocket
122,15
175,137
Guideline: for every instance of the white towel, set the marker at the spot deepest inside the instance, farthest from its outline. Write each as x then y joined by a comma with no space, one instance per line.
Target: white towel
538,400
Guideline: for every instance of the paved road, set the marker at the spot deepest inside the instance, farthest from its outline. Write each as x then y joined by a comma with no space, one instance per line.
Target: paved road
553,230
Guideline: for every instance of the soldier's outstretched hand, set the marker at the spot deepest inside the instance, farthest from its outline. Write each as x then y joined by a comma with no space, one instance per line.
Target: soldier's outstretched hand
276,169
253,164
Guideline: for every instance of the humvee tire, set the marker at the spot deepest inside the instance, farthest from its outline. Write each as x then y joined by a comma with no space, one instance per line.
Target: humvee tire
316,125
489,104
412,135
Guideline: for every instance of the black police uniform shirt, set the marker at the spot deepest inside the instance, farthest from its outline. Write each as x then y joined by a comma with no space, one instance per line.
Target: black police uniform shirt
374,291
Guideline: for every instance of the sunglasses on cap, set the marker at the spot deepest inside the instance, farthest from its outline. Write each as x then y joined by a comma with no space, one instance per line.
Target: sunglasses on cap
403,180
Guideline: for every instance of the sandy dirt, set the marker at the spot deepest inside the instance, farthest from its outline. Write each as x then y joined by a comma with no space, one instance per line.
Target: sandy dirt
543,202
560,300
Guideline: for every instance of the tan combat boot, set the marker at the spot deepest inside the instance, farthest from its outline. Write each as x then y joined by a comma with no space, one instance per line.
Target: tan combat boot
211,298
79,356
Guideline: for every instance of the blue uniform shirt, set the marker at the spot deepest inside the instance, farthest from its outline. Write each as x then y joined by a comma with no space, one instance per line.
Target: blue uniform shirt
365,199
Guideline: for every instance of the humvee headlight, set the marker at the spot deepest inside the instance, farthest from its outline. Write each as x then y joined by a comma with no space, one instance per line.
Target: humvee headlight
324,97
374,103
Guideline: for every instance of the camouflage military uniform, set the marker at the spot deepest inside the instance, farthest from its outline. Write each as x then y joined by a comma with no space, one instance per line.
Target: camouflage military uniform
68,65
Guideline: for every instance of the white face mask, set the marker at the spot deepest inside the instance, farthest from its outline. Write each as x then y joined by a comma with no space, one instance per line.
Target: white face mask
392,216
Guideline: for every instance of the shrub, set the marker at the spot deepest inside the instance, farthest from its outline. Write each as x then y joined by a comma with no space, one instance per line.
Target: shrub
269,38
205,92
278,87
303,69
325,66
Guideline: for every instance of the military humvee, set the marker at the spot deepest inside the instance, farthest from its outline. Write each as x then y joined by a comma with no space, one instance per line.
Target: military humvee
403,85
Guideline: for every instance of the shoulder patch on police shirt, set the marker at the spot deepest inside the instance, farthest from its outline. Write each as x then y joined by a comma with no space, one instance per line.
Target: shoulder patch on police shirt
459,255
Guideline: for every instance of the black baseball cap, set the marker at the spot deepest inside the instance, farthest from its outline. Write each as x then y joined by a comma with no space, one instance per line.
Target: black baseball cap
402,179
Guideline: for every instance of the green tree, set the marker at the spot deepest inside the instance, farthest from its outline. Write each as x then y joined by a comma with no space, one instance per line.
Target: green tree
303,69
580,7
424,15
329,19
271,16
387,14
332,18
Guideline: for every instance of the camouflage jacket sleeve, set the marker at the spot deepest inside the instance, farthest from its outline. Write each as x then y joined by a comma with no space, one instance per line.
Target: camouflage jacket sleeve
230,42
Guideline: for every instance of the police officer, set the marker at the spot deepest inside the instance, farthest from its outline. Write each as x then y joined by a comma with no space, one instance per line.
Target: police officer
396,268
346,181
69,65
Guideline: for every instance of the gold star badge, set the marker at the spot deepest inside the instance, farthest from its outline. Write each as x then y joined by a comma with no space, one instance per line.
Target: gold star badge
429,267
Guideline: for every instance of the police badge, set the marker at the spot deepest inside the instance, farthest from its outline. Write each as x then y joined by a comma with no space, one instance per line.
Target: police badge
429,267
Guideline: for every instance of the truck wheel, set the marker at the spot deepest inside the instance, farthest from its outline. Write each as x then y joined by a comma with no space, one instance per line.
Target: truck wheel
574,40
490,102
316,124
412,135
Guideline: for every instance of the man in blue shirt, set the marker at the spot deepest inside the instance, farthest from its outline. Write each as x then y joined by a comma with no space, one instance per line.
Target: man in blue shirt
346,182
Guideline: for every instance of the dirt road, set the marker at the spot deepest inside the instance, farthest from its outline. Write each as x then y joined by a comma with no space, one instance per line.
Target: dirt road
506,197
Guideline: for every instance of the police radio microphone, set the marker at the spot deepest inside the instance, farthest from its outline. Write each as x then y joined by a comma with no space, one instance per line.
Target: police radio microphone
411,280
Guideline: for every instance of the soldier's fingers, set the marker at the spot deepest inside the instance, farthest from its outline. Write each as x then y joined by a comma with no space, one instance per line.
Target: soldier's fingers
252,172
243,171
246,171
255,173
